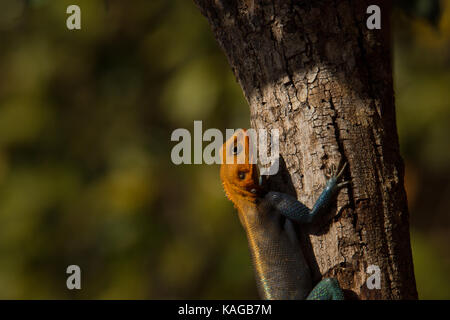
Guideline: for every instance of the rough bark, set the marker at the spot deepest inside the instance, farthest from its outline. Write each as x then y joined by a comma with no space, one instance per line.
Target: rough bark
314,71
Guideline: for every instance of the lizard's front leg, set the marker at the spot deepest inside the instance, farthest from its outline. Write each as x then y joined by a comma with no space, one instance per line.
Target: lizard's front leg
293,209
288,206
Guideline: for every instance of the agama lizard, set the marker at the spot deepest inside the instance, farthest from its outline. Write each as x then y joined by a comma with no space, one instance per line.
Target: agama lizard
280,267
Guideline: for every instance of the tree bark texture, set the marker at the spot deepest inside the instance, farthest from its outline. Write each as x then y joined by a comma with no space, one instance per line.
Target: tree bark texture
314,71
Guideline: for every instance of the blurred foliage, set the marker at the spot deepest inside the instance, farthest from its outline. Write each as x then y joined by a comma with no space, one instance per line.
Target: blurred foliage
85,171
422,86
430,10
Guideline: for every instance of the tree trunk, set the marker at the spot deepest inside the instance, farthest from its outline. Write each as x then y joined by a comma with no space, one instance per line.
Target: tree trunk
314,71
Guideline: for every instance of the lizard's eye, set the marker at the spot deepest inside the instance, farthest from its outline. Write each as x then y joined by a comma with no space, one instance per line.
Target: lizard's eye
236,149
241,175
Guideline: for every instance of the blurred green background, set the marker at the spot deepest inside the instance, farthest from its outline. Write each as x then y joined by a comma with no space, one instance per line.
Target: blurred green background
85,171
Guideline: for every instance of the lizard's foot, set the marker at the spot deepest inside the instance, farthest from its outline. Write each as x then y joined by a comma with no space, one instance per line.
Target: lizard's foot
335,174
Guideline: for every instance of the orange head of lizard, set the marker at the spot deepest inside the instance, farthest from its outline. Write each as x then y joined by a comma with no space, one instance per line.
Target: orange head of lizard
238,172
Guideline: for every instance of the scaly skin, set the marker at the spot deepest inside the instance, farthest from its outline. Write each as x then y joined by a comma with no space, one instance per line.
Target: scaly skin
280,266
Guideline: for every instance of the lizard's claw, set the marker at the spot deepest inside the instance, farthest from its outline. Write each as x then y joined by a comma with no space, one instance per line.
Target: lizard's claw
343,184
338,176
342,171
330,172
